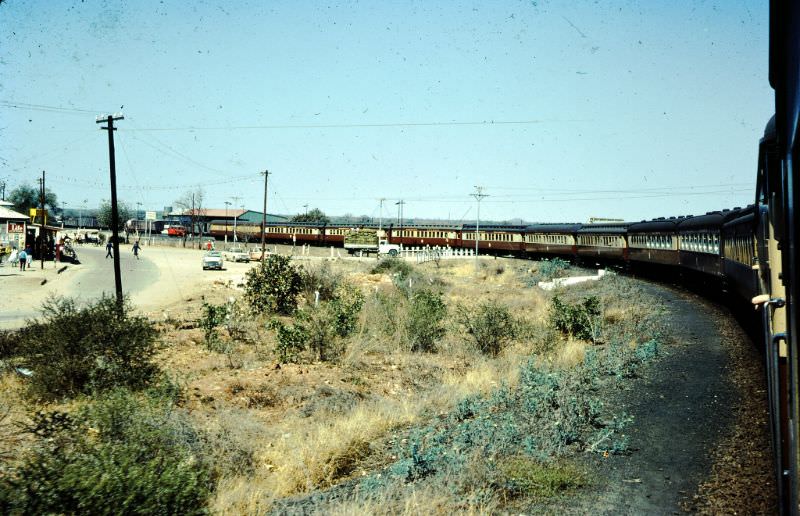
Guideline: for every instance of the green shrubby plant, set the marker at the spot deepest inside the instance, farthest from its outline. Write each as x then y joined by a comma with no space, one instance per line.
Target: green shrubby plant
490,325
424,325
273,286
121,454
76,350
581,320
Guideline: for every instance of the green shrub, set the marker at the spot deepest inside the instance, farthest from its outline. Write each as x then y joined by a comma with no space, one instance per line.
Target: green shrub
549,269
523,476
292,341
393,265
490,326
77,350
581,321
344,308
273,286
119,455
424,324
213,317
322,280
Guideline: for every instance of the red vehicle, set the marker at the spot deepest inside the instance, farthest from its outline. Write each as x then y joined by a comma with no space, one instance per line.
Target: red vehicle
177,231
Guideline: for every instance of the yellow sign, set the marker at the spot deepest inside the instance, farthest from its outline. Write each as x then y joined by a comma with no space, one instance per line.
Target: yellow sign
35,213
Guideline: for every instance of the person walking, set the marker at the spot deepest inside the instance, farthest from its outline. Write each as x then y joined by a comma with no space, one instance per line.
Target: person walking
136,249
109,247
29,252
23,260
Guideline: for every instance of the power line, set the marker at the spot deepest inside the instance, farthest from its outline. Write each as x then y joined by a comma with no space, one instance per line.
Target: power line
357,125
42,107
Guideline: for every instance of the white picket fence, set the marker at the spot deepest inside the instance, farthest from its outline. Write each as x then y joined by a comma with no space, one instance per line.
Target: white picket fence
430,254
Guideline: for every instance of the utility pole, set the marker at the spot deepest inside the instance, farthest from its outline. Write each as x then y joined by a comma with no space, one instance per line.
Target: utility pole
306,207
235,216
63,212
264,218
380,214
109,119
42,222
478,195
227,203
3,189
399,205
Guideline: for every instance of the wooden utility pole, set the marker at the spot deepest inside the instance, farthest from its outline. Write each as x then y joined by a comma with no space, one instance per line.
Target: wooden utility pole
41,243
264,219
478,195
109,119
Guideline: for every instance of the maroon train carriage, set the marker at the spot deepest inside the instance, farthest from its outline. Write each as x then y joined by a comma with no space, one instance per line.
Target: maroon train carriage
699,242
739,253
654,241
551,239
425,235
494,239
604,242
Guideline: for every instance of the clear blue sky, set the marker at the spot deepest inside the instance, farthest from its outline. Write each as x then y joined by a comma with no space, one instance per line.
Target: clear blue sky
617,108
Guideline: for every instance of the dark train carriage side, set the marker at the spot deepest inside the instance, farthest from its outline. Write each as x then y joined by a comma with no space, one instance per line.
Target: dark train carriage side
604,242
494,239
551,239
739,253
698,243
654,242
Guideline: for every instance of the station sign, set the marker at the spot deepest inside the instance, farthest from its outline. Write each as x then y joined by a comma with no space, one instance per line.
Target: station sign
149,215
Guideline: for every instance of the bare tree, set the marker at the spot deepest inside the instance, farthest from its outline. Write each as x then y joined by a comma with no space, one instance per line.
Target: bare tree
192,202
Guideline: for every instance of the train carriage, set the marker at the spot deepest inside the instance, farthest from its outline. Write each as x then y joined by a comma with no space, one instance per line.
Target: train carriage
425,235
739,253
494,239
551,239
603,242
698,243
654,242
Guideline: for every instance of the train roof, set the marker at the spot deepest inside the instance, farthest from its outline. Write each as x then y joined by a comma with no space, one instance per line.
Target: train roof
740,216
656,225
495,227
613,228
711,220
561,228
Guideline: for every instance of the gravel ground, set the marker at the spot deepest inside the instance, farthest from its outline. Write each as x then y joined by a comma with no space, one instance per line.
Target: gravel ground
699,439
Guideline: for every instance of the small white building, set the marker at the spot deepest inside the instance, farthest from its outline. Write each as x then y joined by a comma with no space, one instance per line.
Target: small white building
12,228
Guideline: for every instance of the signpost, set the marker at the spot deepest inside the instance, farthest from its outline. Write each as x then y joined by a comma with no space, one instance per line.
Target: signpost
149,216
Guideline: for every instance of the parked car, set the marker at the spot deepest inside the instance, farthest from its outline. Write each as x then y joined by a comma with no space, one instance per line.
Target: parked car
212,260
236,254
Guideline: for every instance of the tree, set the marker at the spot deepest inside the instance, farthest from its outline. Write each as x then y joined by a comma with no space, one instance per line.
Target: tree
192,201
124,213
26,197
315,215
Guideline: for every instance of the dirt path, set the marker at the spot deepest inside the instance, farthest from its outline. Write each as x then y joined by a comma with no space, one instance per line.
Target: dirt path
691,416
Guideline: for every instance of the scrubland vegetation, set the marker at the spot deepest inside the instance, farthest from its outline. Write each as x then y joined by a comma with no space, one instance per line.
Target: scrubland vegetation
329,388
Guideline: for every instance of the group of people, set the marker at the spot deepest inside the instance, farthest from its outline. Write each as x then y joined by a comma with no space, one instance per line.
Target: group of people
23,258
110,249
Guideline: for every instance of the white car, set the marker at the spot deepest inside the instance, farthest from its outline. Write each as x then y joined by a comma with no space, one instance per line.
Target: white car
212,260
236,254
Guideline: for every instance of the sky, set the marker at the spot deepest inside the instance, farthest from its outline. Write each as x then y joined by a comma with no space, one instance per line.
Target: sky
559,111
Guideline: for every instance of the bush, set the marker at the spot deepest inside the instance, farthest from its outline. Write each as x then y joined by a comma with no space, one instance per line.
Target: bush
321,280
581,321
291,341
78,350
549,269
273,286
393,265
424,325
344,309
490,325
119,455
213,317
